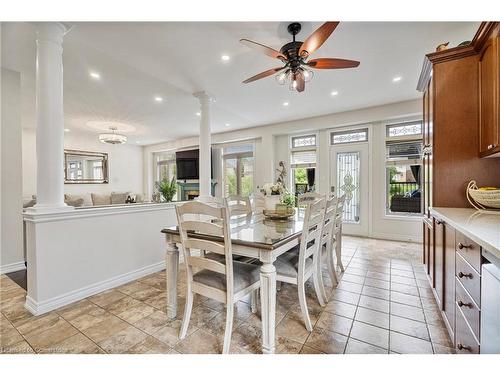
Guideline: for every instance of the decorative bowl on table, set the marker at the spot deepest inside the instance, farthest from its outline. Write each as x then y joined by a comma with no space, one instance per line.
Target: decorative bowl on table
279,214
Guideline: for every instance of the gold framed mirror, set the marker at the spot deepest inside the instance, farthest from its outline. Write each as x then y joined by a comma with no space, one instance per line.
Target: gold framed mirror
85,167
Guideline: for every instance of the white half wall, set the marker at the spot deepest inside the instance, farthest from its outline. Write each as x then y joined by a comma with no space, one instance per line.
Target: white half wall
75,254
12,253
124,161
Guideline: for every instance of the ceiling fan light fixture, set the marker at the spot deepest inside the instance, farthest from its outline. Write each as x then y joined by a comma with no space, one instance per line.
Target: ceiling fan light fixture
308,75
281,78
112,138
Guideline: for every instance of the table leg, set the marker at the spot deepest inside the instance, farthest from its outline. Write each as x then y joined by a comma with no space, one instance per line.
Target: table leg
172,260
268,306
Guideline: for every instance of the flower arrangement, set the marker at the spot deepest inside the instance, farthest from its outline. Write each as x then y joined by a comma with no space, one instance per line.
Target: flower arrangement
272,189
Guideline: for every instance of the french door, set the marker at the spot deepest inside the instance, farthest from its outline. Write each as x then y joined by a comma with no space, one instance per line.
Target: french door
349,176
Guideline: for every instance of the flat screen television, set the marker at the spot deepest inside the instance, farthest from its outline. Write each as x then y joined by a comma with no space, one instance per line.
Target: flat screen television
187,164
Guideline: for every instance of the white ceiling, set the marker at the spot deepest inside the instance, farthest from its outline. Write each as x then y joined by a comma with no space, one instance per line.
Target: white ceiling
138,61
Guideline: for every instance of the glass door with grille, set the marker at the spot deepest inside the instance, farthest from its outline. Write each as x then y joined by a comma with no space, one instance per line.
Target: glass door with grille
349,176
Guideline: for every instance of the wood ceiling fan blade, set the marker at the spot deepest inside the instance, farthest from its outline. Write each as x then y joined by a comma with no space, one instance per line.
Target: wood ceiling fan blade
326,63
267,73
317,38
262,48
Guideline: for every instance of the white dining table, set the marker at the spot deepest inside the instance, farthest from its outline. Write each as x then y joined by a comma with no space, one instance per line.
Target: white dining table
252,236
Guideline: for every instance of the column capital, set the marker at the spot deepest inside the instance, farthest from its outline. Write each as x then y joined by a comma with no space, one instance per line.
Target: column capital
52,31
204,96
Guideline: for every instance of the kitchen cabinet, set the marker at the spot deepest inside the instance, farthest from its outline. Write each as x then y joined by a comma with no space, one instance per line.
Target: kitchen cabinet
439,245
489,76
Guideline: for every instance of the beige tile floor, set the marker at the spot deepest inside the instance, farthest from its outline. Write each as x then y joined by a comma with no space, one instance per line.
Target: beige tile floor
383,304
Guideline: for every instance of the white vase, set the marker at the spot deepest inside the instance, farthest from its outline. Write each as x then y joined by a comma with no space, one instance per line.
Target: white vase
270,201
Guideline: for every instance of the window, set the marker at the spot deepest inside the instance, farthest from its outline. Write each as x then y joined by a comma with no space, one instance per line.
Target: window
303,163
405,129
304,141
238,170
403,168
348,178
349,136
166,167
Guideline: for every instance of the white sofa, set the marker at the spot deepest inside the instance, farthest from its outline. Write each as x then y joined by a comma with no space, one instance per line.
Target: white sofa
92,199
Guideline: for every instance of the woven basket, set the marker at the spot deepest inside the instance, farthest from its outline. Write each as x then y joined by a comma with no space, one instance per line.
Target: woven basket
482,199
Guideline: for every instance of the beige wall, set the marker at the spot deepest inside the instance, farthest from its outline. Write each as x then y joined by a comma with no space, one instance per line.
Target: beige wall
125,164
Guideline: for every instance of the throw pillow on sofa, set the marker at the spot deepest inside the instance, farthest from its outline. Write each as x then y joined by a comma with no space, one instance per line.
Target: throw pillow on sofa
74,202
119,198
100,199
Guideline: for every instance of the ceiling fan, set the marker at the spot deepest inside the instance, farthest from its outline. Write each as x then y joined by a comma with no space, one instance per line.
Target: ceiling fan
294,56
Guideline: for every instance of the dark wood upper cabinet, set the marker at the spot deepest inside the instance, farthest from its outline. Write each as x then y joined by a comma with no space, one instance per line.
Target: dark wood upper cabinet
489,71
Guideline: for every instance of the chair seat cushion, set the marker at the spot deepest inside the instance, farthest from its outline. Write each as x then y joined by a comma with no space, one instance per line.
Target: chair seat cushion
288,264
244,275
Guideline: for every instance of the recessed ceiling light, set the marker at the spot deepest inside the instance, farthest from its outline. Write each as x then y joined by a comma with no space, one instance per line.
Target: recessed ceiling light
225,58
198,113
227,125
67,130
285,104
95,75
137,142
158,98
334,93
397,79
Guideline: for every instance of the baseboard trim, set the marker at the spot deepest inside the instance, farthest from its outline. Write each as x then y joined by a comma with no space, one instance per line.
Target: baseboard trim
395,237
42,307
13,267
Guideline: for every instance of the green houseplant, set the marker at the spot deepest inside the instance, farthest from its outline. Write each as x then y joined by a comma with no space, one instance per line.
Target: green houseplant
166,188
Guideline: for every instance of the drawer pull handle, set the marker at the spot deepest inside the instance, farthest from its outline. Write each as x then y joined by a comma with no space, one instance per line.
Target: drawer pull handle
469,305
466,275
462,246
461,347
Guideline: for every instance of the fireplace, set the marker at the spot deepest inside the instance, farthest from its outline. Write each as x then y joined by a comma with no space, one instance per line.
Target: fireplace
191,194
191,190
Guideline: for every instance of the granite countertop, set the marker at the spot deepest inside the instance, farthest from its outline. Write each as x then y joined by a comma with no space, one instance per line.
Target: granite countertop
481,227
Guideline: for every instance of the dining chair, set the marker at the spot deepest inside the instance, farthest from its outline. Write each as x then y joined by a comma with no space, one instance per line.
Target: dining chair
238,205
307,198
337,231
327,241
293,268
226,281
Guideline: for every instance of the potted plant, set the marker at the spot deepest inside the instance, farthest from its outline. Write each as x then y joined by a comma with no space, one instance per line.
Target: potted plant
166,188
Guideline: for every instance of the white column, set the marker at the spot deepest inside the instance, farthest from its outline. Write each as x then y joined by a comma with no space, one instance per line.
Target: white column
205,144
49,117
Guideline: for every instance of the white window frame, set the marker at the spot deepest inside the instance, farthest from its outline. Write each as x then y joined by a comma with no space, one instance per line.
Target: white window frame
292,149
386,163
239,155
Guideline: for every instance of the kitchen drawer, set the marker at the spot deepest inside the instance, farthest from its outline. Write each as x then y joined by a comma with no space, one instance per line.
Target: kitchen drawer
466,343
468,307
469,278
470,251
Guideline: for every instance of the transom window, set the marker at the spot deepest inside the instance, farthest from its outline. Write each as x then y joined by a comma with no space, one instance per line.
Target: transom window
405,129
349,136
304,141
